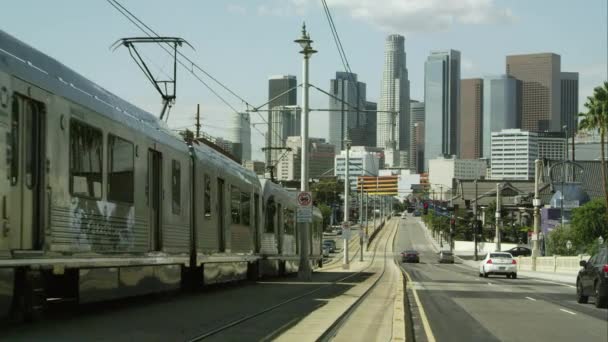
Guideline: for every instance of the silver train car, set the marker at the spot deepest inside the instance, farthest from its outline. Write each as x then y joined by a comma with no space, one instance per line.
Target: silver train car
100,200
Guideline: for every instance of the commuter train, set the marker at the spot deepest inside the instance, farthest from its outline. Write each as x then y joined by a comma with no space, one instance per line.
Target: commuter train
100,200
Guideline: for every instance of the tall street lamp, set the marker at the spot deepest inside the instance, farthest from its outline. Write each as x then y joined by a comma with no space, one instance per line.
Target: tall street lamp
304,271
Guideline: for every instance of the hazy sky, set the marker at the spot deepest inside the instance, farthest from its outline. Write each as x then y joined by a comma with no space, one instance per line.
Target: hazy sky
243,42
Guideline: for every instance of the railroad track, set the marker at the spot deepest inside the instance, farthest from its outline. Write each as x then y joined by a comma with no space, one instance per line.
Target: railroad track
235,323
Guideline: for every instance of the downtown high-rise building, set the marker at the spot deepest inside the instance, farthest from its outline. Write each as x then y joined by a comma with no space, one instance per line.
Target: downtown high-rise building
471,115
441,104
541,90
286,122
344,118
282,91
416,154
240,135
393,118
569,99
371,117
501,108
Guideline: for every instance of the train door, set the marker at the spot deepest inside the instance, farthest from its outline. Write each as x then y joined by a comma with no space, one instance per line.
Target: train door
27,163
220,217
279,225
256,223
155,163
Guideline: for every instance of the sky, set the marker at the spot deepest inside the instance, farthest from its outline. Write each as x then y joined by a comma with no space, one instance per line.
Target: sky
243,42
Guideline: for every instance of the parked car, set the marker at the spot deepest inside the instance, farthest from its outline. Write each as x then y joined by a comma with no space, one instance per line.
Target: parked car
325,251
519,251
410,210
331,244
446,257
498,263
403,216
592,279
417,213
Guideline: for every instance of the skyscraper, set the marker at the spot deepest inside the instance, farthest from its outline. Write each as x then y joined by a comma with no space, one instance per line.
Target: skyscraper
393,128
416,136
501,108
441,104
240,135
471,109
285,121
278,85
569,101
351,95
541,84
371,123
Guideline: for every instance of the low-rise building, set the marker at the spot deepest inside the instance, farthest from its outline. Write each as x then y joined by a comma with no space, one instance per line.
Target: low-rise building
363,161
320,163
442,172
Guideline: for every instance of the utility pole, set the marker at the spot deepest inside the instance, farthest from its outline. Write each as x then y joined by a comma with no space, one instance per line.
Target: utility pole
198,121
536,203
475,227
361,224
304,270
498,217
345,261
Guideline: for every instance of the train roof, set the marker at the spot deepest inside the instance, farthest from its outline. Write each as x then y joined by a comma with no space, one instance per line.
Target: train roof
272,189
211,157
33,66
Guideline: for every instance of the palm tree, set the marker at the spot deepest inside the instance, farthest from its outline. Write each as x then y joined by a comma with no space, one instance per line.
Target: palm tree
596,118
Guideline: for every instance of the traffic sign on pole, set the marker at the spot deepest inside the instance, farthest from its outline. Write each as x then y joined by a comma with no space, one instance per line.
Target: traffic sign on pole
304,212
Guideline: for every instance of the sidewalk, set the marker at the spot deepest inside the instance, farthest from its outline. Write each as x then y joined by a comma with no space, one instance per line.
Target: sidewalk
567,278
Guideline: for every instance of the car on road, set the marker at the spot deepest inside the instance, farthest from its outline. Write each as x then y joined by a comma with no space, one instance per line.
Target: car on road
325,251
519,251
592,279
403,216
446,257
410,256
501,263
331,244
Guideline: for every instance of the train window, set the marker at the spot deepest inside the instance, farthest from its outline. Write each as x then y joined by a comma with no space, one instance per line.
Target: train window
86,145
288,221
120,169
235,204
270,213
246,208
176,187
207,199
13,153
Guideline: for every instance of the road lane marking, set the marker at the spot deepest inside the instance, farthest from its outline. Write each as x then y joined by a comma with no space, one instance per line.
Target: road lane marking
490,284
552,282
530,298
570,312
425,322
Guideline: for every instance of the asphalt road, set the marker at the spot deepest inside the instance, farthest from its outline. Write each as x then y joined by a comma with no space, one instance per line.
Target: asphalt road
461,306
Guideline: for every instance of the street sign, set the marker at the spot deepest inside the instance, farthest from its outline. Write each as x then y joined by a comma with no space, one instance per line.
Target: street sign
533,237
305,199
304,211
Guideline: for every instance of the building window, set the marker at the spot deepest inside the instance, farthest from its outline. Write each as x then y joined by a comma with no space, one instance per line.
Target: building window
121,165
207,198
13,152
86,145
246,208
270,214
176,187
235,204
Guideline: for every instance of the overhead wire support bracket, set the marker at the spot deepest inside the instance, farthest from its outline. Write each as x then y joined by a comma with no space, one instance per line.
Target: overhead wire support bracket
167,88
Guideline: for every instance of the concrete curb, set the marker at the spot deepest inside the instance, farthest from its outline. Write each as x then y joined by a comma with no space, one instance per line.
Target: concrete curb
399,310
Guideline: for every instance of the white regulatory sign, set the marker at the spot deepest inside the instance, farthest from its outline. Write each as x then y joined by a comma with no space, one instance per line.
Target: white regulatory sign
305,199
304,212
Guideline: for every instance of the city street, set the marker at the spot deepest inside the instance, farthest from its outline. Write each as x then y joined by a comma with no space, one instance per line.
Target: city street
461,306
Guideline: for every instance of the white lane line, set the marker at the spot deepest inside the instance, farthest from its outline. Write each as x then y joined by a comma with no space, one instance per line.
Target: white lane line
552,282
425,321
570,312
530,298
490,284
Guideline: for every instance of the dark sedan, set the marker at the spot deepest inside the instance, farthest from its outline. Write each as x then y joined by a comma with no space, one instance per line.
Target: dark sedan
410,256
519,251
592,279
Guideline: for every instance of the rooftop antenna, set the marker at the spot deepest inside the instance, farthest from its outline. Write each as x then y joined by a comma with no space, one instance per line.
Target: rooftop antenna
166,88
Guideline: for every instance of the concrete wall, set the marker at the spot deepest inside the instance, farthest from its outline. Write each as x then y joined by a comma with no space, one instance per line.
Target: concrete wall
557,264
468,247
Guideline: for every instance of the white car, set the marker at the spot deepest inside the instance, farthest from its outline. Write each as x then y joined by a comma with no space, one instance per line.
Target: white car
498,263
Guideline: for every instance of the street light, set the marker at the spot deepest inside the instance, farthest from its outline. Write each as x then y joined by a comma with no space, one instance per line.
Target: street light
600,240
569,246
304,271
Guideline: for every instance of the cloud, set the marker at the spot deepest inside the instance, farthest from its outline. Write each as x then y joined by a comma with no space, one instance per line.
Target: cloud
406,15
236,9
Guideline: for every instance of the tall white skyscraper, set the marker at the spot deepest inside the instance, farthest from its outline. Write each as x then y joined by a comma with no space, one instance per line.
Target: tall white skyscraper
240,135
393,129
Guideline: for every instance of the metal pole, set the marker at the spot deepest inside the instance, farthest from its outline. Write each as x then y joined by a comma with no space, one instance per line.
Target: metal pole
345,261
536,203
361,225
498,217
475,228
304,270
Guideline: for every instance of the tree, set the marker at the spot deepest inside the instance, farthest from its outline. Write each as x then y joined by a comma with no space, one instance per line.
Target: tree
327,191
557,241
326,212
187,135
596,118
589,222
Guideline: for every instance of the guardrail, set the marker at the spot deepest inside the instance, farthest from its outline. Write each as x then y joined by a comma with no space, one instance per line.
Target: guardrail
556,264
